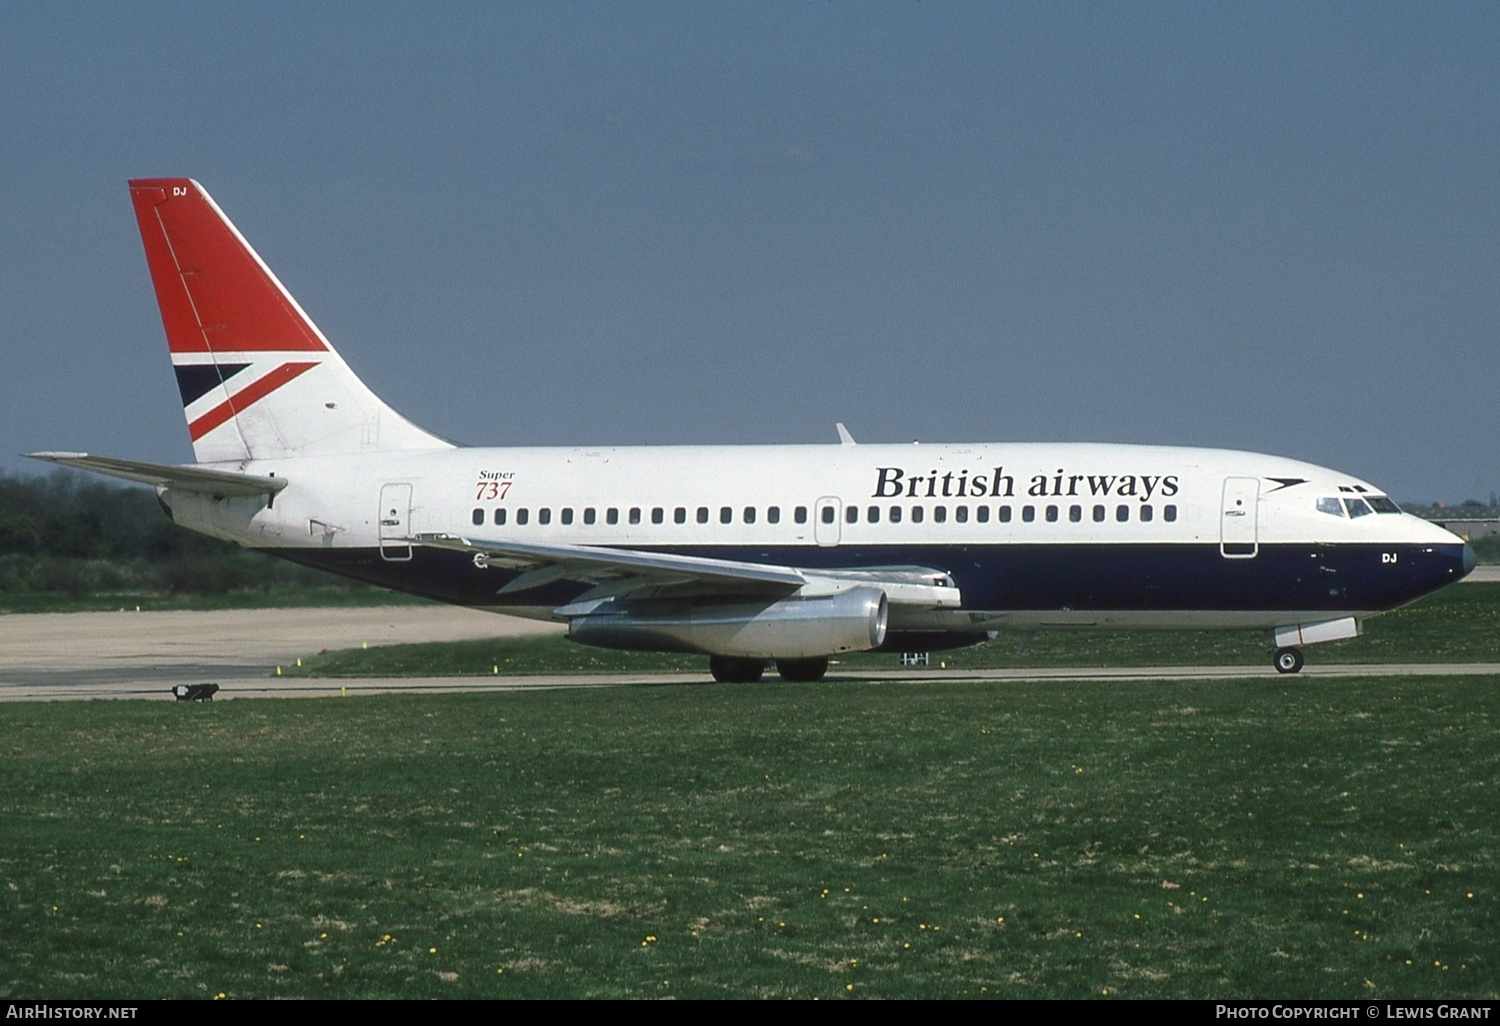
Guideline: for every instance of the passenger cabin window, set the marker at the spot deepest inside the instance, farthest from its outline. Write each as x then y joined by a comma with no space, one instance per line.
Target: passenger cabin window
916,514
749,514
1005,514
588,515
851,514
522,516
544,515
1122,513
612,515
773,515
478,517
1098,514
702,514
679,515
1169,513
658,515
567,515
895,514
1075,514
800,514
499,516
982,514
635,514
1146,513
827,514
961,514
726,515
1028,513
1051,514
940,514
873,514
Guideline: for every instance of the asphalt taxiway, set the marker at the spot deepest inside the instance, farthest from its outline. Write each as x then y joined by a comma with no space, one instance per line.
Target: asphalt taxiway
72,656
130,654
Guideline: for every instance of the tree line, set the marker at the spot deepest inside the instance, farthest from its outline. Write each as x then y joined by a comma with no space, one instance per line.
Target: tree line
72,534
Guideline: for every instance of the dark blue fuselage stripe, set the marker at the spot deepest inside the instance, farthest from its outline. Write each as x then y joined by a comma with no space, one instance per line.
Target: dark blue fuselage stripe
1001,578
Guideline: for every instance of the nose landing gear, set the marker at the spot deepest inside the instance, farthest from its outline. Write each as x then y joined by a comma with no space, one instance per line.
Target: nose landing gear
1287,660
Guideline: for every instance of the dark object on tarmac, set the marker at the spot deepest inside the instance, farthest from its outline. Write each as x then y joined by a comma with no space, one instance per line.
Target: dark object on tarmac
195,692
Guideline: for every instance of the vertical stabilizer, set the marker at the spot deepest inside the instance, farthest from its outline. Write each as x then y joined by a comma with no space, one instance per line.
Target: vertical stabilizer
258,379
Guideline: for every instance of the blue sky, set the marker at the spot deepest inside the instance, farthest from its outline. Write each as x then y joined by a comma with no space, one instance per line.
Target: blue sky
1271,227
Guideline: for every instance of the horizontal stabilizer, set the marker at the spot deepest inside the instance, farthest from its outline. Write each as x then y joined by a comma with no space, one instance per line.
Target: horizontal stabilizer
197,479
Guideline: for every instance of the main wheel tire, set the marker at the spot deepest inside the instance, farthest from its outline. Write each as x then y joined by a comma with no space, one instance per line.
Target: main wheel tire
1287,660
802,670
732,670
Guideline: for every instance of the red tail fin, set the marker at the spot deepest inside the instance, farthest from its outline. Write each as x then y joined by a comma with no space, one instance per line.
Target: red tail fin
257,377
216,293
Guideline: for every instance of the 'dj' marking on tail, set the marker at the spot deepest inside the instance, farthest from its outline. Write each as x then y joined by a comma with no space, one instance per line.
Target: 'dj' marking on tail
257,378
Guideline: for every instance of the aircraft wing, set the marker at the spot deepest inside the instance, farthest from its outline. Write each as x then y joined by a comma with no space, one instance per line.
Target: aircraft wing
199,479
617,572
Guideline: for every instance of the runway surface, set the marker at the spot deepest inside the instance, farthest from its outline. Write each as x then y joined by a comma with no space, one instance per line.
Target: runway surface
129,654
72,656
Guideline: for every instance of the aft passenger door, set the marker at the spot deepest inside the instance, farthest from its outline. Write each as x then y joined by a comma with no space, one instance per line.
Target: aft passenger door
395,522
1239,535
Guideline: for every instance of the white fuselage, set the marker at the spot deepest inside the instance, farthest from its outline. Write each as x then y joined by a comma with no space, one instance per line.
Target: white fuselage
1034,535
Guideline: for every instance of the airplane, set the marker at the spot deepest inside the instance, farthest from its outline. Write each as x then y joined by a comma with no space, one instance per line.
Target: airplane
750,555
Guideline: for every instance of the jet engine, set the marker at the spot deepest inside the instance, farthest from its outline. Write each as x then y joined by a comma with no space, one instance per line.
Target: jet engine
795,628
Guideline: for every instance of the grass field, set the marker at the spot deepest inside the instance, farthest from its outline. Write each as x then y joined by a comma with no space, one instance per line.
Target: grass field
1461,624
1209,839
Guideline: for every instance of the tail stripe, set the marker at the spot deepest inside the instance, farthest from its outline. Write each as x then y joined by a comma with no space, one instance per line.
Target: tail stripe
196,380
243,399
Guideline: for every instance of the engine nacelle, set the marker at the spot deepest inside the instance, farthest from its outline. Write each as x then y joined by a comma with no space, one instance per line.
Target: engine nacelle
851,621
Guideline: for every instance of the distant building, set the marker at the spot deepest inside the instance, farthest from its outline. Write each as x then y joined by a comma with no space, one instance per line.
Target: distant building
1469,528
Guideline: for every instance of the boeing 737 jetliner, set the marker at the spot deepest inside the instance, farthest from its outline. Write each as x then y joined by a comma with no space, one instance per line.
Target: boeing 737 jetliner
746,554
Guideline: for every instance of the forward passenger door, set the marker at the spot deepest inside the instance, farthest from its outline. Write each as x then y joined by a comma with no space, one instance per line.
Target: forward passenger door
1239,533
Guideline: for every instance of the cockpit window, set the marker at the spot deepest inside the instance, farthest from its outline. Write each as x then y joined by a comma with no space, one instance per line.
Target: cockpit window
1358,507
1331,506
1383,504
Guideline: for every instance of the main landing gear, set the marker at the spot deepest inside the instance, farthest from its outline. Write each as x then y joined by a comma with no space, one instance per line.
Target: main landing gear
802,670
1287,660
734,670
730,670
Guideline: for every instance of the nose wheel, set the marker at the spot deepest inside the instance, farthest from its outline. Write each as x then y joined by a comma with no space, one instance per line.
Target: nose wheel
1287,660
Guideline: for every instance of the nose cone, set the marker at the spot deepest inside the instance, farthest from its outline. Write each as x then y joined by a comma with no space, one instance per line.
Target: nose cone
1470,561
